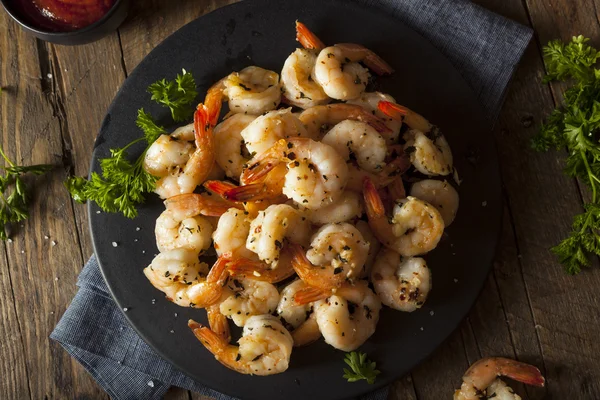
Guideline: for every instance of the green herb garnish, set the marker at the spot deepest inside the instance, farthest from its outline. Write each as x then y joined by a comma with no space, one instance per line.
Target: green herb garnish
576,125
360,368
14,206
178,95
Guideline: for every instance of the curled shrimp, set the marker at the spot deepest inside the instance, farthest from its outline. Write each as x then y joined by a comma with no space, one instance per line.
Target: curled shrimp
244,297
347,318
348,206
186,281
262,133
270,229
201,161
232,232
298,87
253,90
192,232
481,378
359,140
439,194
316,173
370,102
319,119
415,227
429,151
299,319
231,153
264,348
401,283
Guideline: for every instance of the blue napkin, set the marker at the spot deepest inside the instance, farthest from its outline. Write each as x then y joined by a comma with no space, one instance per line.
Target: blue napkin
484,48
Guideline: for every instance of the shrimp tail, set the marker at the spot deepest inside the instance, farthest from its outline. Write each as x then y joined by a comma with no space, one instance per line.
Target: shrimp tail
246,267
521,372
218,322
373,203
370,58
213,342
251,192
307,39
392,110
219,187
310,294
258,171
191,204
219,272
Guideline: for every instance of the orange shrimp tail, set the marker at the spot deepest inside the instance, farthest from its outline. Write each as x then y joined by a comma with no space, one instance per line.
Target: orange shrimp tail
258,171
307,39
373,202
251,192
213,342
218,323
246,267
310,294
219,272
392,110
521,372
219,187
378,64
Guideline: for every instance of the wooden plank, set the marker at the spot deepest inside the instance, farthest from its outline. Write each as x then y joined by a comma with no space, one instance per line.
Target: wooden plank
44,258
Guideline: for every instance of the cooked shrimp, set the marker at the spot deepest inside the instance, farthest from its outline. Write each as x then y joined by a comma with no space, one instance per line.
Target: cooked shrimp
346,207
231,153
299,88
429,151
190,204
347,318
340,247
341,76
482,375
253,90
192,233
374,247
269,230
355,139
243,298
262,133
415,227
264,348
439,194
185,280
165,154
316,173
201,161
370,101
299,319
319,119
401,283
231,233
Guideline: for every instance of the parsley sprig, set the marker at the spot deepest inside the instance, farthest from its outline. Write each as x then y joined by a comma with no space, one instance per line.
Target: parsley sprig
14,205
360,368
576,125
122,184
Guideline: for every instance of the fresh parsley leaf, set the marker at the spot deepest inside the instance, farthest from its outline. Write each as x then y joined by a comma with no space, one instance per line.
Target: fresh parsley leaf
178,95
360,368
146,123
576,126
14,205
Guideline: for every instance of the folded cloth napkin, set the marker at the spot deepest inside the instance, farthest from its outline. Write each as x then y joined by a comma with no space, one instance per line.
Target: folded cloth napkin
484,48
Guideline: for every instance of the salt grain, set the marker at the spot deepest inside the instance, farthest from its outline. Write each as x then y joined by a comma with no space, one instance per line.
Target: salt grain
51,312
138,229
151,384
98,212
422,329
483,203
22,251
143,251
49,76
125,309
172,331
56,278
9,240
135,240
431,313
455,280
54,243
46,237
175,314
115,244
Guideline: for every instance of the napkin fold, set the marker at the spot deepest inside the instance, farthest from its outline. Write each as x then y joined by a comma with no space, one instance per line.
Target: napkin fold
484,47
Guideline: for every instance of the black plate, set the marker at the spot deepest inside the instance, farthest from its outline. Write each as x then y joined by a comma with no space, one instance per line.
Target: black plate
262,33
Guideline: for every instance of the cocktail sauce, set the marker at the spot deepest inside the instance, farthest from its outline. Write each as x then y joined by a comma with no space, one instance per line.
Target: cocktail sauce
62,15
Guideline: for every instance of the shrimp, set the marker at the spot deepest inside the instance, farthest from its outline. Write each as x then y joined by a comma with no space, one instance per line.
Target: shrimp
254,197
299,319
261,271
299,88
165,154
243,297
186,281
429,151
370,101
231,233
262,133
481,378
374,247
319,119
439,194
360,141
190,204
272,226
401,283
200,162
347,318
192,233
253,90
231,153
264,348
345,208
415,227
341,76
316,173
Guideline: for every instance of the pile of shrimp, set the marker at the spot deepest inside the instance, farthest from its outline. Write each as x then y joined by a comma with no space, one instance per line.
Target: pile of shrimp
302,197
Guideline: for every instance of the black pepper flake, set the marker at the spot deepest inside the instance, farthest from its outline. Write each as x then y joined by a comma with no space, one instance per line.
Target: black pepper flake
167,274
238,357
257,357
246,88
278,244
338,270
346,247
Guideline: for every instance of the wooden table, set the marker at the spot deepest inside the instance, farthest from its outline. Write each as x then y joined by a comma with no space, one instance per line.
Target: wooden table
54,99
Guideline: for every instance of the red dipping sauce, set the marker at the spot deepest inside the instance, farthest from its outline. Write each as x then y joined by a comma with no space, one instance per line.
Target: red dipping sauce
63,15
